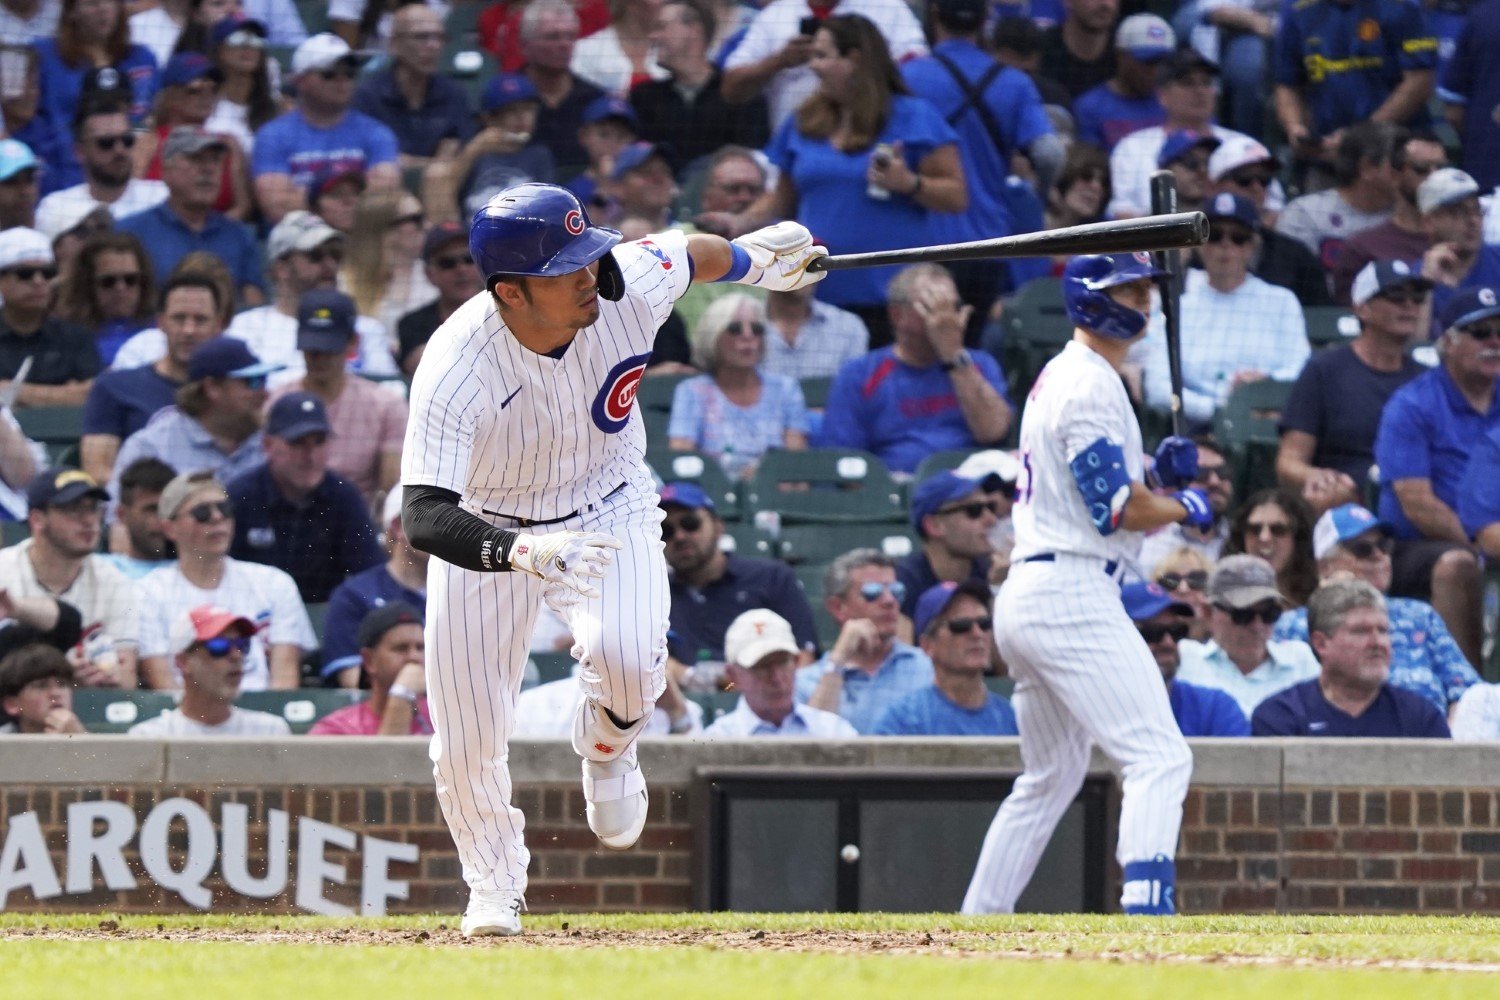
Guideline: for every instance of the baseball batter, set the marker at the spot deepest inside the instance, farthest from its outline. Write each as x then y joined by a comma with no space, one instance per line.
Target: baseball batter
1083,674
525,475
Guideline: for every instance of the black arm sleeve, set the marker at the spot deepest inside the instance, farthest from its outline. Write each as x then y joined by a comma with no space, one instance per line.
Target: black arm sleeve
65,632
436,524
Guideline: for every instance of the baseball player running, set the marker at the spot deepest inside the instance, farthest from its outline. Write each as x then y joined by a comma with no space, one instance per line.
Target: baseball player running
525,475
1083,674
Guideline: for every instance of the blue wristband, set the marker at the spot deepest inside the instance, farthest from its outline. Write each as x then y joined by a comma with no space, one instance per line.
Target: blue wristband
739,263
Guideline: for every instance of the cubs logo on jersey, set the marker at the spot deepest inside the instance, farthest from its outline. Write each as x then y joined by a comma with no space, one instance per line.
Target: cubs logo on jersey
657,252
616,398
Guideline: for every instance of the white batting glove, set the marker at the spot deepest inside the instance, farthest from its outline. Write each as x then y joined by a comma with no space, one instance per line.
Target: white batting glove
566,559
779,256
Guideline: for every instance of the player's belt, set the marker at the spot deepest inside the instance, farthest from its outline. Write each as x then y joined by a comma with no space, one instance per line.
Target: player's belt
1110,568
526,522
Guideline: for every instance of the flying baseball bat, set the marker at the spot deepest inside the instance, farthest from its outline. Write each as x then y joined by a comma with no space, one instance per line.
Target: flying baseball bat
1154,232
1169,262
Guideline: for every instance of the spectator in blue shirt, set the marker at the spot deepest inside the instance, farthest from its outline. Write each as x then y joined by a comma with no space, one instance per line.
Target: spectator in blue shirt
869,668
953,624
1127,101
428,112
294,514
123,400
1479,495
401,579
925,393
1469,87
192,161
322,133
1352,694
953,516
1339,62
1162,622
1422,448
761,658
1457,256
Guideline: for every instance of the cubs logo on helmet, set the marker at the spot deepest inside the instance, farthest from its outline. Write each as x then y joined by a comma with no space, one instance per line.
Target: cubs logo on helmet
573,222
616,398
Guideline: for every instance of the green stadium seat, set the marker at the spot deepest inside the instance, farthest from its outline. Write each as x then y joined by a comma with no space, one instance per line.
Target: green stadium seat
1036,328
552,666
57,427
102,710
303,707
314,15
654,392
1329,326
823,543
318,614
746,539
12,532
815,391
941,461
829,485
714,703
1003,686
704,470
810,575
1246,428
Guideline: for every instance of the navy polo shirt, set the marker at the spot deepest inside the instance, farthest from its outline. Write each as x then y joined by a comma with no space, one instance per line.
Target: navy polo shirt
319,542
701,617
1202,711
121,401
915,572
1301,710
1427,431
351,601
168,239
444,114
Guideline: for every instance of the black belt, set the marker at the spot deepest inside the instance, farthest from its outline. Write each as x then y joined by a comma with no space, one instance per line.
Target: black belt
526,522
1110,568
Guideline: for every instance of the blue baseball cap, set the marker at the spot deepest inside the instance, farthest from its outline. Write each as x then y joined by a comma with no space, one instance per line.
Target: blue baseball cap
937,490
1235,208
325,321
506,89
1178,143
60,487
1469,305
185,67
935,600
1147,600
226,357
296,415
689,495
221,31
1383,275
635,155
618,108
15,156
1341,524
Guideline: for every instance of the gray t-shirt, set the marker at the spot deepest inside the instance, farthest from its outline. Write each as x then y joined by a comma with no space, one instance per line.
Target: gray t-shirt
1323,221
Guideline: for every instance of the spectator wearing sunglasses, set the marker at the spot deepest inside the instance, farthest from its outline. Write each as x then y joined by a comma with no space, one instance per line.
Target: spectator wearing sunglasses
1405,235
1162,621
869,668
1185,153
104,143
1184,573
953,516
1352,695
210,648
1216,479
1427,432
1349,541
761,657
710,588
215,424
108,287
321,132
64,358
953,623
1237,329
1276,525
1329,422
450,269
197,517
1239,657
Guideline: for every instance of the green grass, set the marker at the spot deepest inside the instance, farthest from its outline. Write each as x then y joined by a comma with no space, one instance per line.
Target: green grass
718,955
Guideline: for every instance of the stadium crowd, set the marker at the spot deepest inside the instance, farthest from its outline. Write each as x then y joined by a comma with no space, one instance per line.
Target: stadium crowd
228,230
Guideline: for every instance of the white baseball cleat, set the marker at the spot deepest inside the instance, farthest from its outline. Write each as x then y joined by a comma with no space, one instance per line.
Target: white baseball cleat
492,913
615,791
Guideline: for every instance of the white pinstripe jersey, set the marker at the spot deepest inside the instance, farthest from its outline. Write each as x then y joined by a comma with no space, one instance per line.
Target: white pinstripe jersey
529,435
1077,399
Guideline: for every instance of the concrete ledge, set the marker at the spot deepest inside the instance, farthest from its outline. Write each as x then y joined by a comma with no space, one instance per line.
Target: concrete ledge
80,760
1397,763
299,760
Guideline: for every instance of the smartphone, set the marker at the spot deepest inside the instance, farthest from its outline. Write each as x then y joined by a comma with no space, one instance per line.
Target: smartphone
808,26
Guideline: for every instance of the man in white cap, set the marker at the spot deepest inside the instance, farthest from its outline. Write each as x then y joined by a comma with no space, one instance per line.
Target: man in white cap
322,131
761,657
1453,219
1127,101
1404,236
64,359
209,645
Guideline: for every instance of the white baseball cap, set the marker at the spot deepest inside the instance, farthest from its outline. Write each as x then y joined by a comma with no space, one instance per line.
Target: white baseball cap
20,245
1146,37
323,51
58,216
299,230
392,508
1444,187
1238,151
757,634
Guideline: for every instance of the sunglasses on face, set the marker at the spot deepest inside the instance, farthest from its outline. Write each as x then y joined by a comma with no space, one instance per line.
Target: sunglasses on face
221,645
757,329
449,263
1482,333
874,591
32,273
342,73
107,143
687,524
1154,633
203,513
1266,614
963,626
112,281
1252,179
1196,579
1207,472
974,509
246,40
1278,529
1238,237
1409,297
1364,549
318,256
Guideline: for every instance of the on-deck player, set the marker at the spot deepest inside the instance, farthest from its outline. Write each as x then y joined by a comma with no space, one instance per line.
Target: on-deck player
1083,674
524,473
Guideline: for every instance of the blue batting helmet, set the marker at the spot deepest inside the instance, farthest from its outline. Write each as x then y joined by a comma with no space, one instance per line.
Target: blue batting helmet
541,230
1089,305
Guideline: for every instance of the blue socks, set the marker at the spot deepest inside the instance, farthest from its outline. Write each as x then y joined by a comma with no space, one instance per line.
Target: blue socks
1150,887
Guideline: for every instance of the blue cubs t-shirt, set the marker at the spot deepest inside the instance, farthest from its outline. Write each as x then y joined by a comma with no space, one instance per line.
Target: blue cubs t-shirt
928,712
292,145
1472,78
1202,711
1301,710
1104,117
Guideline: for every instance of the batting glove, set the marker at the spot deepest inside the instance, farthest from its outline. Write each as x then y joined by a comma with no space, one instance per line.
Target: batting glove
566,559
1199,513
1176,462
779,256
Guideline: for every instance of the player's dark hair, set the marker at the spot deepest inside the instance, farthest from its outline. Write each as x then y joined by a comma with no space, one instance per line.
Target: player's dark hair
1365,142
1207,441
149,474
32,663
518,280
1398,155
1299,577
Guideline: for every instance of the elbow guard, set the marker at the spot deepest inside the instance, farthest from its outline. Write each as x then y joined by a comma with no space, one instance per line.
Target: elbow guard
1099,471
